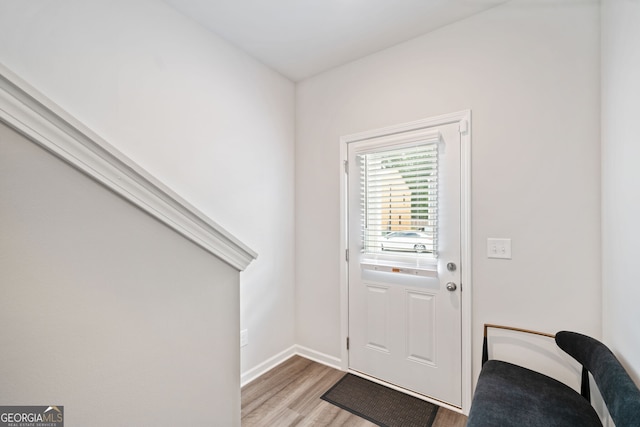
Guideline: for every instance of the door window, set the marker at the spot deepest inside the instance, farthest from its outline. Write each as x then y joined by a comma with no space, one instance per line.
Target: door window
399,200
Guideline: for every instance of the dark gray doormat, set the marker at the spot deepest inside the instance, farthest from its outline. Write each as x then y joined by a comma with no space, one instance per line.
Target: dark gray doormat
379,404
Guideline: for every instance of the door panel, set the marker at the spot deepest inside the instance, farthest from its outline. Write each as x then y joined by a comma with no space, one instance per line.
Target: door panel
404,325
377,307
420,327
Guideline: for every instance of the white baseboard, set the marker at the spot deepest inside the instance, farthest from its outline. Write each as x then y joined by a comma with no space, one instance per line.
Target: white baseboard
316,356
269,364
266,366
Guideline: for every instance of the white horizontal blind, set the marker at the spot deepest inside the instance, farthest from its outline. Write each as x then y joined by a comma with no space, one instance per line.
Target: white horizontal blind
399,200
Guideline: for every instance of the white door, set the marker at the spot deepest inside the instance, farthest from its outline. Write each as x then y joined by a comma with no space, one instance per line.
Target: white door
404,260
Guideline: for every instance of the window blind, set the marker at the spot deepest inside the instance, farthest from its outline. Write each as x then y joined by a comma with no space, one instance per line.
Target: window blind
399,200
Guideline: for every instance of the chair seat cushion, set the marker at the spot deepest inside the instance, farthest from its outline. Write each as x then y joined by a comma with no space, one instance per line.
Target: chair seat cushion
510,395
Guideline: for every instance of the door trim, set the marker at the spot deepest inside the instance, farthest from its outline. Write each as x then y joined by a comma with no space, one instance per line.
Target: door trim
463,118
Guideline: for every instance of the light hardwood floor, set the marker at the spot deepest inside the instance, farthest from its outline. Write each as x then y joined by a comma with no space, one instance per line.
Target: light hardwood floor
289,395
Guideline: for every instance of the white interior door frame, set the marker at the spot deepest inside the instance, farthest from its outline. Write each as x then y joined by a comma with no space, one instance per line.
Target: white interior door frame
463,118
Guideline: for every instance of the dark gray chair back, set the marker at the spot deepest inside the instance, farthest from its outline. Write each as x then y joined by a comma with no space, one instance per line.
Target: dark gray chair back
619,392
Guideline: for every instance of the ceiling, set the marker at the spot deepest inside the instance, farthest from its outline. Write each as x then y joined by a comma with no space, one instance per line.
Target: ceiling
301,38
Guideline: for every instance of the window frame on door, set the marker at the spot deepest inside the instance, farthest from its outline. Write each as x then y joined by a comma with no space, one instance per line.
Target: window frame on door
399,195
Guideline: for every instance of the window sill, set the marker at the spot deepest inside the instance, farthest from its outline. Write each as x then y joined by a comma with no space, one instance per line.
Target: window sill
398,268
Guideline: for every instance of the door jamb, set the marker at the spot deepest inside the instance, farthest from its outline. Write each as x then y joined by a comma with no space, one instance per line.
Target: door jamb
463,118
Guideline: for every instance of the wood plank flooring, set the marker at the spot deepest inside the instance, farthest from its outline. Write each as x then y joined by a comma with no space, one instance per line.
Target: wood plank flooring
289,395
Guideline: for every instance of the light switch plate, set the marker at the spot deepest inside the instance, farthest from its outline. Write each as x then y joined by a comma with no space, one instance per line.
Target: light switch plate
499,248
244,337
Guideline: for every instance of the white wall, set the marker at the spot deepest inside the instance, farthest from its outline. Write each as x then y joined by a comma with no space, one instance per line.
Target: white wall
620,178
529,71
210,122
105,310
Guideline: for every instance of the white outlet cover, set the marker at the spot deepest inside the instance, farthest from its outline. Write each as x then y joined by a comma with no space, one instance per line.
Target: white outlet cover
244,337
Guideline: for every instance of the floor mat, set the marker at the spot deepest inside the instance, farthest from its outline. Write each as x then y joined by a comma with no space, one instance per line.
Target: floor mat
379,404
